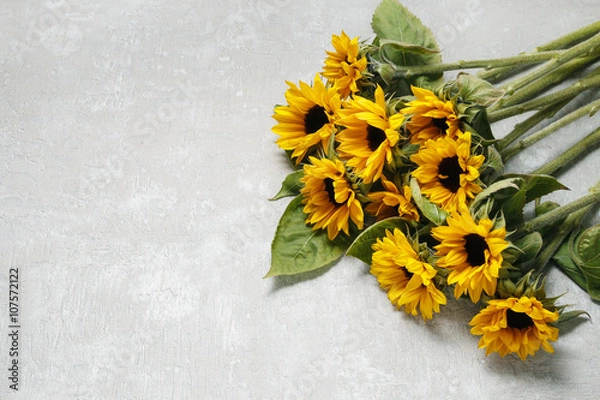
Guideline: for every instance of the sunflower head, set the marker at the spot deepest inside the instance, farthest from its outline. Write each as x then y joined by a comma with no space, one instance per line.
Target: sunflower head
369,136
344,66
308,121
447,171
392,202
472,251
407,278
430,117
329,200
518,325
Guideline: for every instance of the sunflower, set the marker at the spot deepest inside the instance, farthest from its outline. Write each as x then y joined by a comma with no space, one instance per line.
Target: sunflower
515,325
472,251
329,199
431,117
344,66
407,279
369,136
392,202
309,118
447,172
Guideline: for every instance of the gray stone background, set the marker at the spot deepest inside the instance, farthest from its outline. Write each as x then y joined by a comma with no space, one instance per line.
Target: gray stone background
136,161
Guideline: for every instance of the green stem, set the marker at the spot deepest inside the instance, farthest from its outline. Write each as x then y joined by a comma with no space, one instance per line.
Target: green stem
559,213
495,75
584,48
522,59
552,78
590,81
586,144
571,38
589,109
523,127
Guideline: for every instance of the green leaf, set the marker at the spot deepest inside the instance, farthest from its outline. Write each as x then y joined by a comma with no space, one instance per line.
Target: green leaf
588,248
405,47
512,208
291,185
565,263
538,185
501,189
587,258
545,207
393,23
298,248
432,212
530,245
474,90
362,246
493,160
478,122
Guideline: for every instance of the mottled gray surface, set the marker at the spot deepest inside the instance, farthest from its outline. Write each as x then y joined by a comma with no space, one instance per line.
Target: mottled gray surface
136,160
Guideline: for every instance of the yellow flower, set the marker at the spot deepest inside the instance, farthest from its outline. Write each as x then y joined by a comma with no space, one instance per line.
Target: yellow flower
309,118
472,251
329,200
369,136
515,326
407,279
447,172
344,66
431,117
392,202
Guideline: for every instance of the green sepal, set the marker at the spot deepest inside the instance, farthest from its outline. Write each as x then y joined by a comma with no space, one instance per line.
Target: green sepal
291,185
362,248
297,248
566,317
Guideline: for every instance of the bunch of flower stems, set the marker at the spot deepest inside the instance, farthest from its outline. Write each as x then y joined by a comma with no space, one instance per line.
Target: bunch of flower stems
572,58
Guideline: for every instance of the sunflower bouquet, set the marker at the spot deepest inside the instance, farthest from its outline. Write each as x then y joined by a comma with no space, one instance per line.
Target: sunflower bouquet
399,168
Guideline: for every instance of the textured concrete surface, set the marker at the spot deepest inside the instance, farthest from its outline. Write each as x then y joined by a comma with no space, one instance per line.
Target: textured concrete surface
136,160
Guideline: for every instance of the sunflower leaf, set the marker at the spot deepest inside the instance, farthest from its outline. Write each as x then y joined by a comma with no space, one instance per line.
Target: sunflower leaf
406,47
478,121
427,208
587,251
538,185
565,263
362,249
474,90
393,23
291,185
512,209
501,189
298,248
530,245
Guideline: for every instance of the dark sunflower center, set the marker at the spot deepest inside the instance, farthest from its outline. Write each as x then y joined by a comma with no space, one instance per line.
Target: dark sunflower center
518,320
450,168
330,190
440,123
475,246
314,119
375,137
